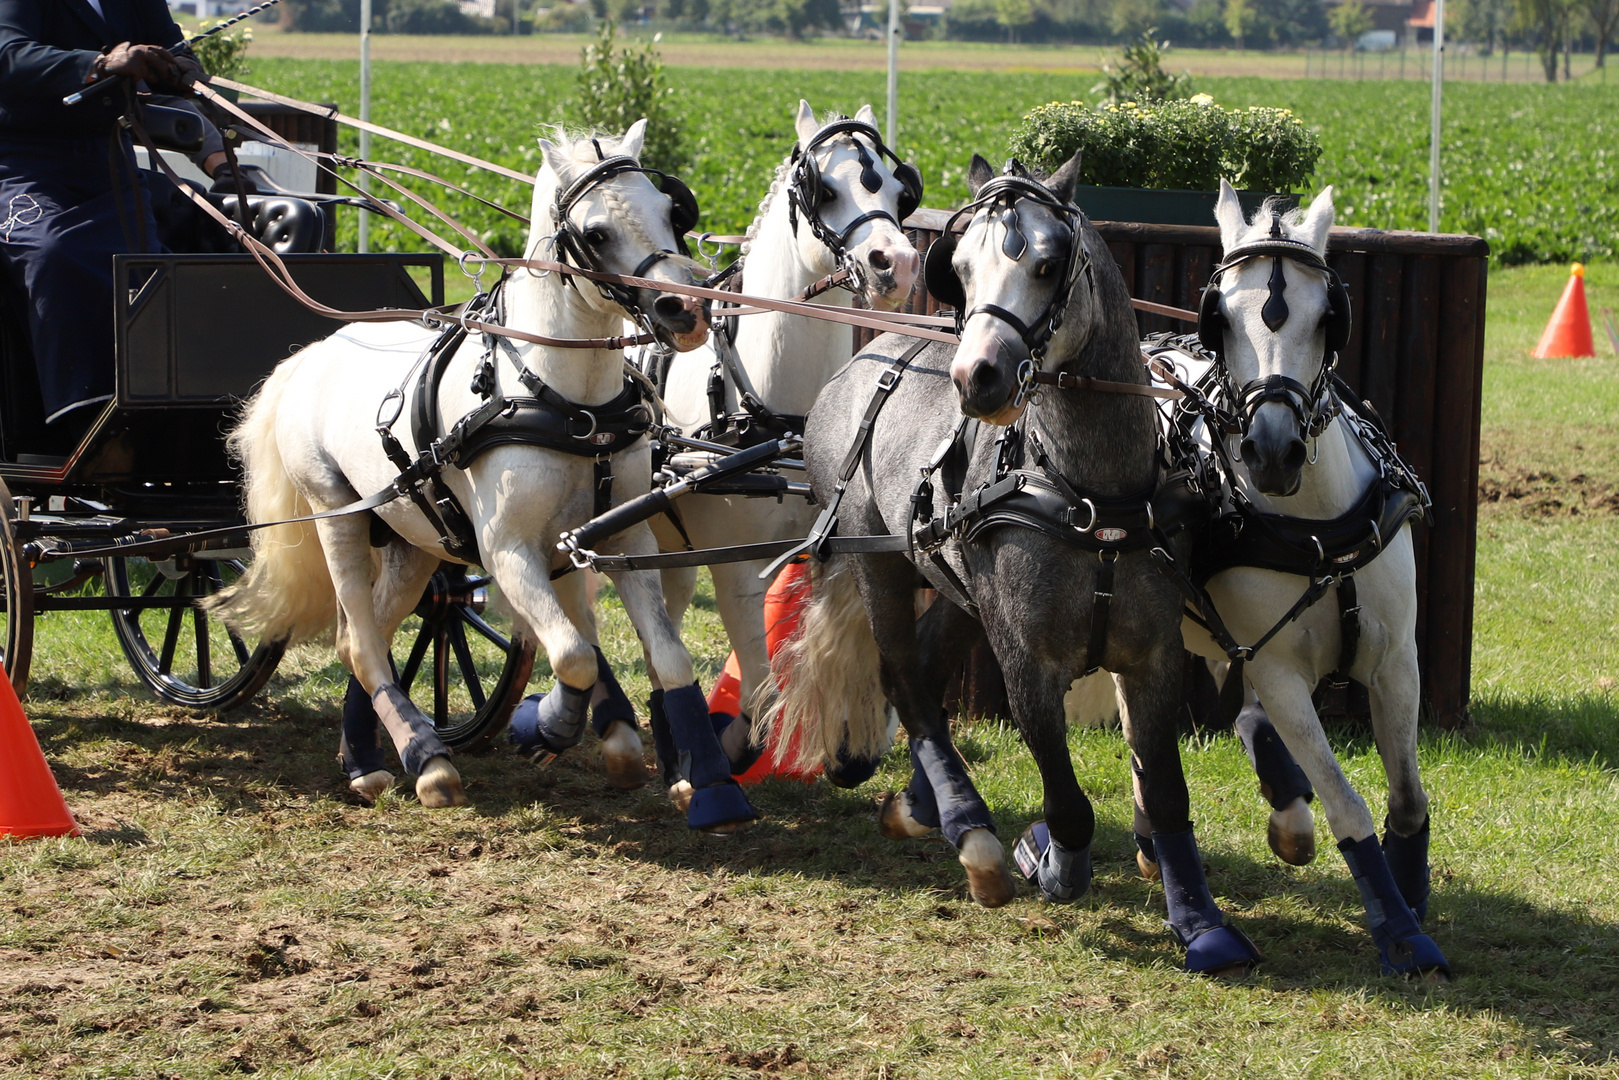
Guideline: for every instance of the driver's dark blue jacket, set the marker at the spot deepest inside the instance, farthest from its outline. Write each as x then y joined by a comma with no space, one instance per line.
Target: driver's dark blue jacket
68,187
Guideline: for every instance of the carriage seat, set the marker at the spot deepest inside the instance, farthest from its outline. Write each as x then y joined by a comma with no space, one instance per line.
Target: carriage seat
287,225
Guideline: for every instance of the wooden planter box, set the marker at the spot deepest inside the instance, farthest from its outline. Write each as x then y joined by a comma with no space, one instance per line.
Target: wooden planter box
1417,353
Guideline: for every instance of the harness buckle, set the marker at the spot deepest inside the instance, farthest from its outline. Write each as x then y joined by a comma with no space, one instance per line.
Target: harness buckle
1087,526
386,420
888,379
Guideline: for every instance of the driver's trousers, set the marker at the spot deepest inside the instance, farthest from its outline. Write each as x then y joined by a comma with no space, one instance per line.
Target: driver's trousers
67,205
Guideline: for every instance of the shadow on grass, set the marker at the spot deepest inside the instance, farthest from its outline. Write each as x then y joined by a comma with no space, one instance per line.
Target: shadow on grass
1580,728
1548,967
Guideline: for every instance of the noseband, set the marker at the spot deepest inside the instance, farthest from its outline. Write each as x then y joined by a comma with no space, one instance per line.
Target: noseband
1313,406
571,243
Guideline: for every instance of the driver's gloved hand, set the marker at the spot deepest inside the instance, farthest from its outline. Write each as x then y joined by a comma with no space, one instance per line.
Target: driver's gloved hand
150,63
191,69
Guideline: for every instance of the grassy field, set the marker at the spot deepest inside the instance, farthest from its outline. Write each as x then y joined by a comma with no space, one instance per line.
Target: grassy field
230,910
1530,168
845,54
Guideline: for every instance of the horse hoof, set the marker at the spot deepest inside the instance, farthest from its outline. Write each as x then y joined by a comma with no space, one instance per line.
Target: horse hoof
623,757
680,795
894,818
988,879
371,786
1148,868
1291,833
439,785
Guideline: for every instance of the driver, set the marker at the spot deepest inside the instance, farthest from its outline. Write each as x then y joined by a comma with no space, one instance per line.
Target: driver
70,195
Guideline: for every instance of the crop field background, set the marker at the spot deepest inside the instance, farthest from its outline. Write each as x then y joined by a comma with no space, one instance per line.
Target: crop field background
1533,169
230,910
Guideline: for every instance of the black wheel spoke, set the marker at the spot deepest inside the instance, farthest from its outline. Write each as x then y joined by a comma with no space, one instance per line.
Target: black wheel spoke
493,636
243,655
469,666
441,677
171,637
413,663
205,674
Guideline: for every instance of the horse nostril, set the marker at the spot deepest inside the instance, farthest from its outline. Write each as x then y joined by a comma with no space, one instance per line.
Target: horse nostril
879,260
1293,459
668,306
1249,452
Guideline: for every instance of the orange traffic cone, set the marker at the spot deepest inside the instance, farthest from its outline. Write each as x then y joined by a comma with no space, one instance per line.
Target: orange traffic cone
1569,332
30,802
784,605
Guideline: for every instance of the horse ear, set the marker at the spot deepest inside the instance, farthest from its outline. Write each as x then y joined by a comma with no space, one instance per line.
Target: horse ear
805,123
1318,222
1061,183
979,173
558,159
634,139
866,115
1228,212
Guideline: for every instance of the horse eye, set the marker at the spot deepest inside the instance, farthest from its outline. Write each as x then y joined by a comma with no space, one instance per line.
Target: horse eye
1044,267
828,193
596,237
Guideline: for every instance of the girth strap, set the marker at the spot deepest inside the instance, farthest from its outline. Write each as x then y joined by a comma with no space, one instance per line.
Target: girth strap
1101,608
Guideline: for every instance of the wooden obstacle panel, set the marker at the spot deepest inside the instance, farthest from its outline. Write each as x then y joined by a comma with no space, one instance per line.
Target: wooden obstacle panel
1416,353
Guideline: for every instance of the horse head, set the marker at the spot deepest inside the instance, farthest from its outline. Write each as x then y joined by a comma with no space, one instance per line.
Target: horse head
853,194
608,213
1276,316
1011,277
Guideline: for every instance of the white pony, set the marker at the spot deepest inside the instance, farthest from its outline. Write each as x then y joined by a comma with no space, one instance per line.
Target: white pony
308,443
861,198
1275,316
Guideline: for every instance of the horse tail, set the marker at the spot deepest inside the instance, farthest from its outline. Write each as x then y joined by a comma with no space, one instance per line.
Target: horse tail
287,592
831,699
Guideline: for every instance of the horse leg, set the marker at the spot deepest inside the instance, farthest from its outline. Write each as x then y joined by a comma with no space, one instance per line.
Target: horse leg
1151,700
405,572
363,649
1401,945
1291,831
740,597
717,803
1393,692
1055,852
612,716
886,585
945,637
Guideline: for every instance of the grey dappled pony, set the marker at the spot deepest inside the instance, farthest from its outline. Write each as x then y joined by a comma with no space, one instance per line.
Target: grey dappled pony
860,641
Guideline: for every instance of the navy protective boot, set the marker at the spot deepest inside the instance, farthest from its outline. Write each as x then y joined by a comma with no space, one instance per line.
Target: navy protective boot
1281,780
671,762
1063,873
1402,947
1212,945
545,725
717,801
360,750
1408,861
608,702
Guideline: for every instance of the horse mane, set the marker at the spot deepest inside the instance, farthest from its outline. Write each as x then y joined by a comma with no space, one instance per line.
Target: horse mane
1114,346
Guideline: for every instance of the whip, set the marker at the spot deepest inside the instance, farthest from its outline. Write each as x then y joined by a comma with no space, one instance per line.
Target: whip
75,98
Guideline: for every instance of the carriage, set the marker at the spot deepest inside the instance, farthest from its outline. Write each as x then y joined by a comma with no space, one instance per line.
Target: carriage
140,516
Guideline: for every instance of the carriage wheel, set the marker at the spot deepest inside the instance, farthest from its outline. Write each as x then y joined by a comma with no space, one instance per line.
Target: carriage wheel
463,649
16,600
181,653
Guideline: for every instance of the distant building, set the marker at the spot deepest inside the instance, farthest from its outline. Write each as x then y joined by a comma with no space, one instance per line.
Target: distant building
211,9
478,9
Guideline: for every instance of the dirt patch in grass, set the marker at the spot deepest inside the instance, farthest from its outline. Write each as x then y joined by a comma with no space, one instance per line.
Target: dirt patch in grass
1544,494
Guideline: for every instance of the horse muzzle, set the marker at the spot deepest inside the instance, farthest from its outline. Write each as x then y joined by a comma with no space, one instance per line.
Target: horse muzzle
1274,452
985,374
889,275
684,319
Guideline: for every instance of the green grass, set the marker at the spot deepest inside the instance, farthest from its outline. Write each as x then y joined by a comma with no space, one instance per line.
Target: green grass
230,911
1530,168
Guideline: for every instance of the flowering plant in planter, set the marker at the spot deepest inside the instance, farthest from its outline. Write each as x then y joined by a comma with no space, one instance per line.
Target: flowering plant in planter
1187,145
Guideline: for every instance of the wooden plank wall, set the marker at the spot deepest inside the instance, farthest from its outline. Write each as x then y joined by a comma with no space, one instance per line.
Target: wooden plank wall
1416,353
297,126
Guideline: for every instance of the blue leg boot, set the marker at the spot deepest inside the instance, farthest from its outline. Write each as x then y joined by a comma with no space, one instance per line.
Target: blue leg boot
1408,861
1063,874
717,801
913,812
543,726
1212,945
360,751
673,764
1281,780
608,702
850,772
1402,947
